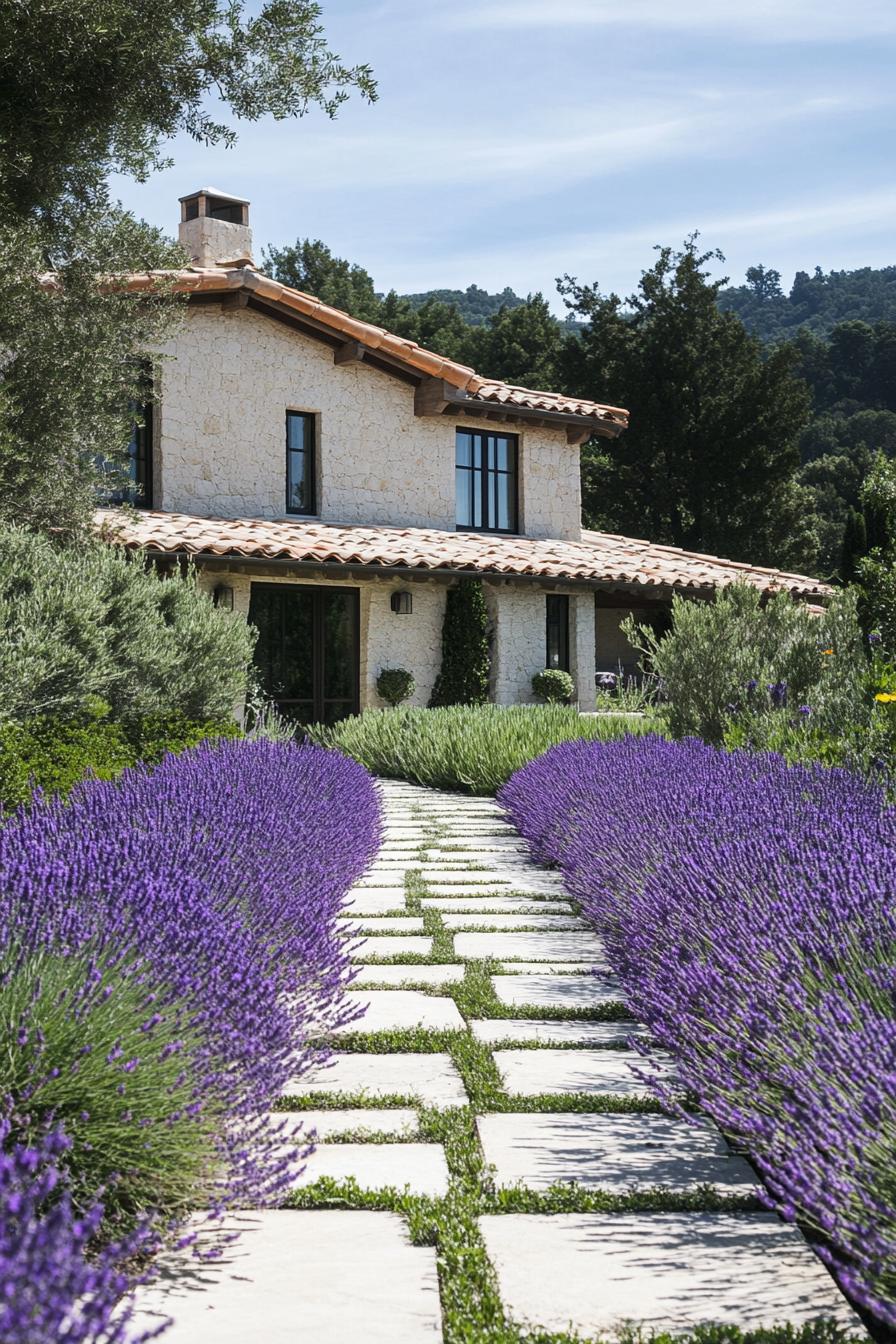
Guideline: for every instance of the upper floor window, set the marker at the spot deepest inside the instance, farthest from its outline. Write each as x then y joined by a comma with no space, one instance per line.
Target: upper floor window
133,478
486,481
557,631
300,463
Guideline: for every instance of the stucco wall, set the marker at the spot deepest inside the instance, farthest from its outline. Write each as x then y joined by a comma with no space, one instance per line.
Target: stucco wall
229,376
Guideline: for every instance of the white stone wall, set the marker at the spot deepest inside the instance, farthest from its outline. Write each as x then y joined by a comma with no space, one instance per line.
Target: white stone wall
229,376
518,615
411,641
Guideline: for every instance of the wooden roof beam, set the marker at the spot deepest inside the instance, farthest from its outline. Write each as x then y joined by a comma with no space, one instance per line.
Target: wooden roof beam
349,352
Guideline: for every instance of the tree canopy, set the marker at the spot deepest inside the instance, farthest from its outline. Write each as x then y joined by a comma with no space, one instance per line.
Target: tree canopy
92,86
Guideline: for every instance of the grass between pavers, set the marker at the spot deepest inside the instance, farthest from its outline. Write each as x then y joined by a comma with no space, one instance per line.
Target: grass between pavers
471,1304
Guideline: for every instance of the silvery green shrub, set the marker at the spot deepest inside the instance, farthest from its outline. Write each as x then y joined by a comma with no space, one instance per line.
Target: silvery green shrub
87,622
740,656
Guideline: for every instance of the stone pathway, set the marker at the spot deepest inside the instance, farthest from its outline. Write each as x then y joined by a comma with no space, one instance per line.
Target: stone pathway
480,1130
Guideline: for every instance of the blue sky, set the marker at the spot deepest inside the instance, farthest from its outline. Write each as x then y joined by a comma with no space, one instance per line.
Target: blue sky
515,140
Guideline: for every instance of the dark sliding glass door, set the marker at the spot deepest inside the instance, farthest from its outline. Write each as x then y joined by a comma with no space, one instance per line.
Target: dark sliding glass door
307,651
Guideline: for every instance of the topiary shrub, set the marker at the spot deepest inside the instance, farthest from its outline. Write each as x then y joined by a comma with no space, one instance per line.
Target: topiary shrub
554,686
466,661
395,684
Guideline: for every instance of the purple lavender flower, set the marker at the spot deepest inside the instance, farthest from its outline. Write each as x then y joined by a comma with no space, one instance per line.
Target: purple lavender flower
804,711
874,637
747,908
778,692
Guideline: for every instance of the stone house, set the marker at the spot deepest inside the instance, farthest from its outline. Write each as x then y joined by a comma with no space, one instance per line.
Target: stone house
331,481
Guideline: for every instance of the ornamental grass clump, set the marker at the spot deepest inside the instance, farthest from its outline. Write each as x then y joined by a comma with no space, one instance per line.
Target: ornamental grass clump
168,947
471,748
747,907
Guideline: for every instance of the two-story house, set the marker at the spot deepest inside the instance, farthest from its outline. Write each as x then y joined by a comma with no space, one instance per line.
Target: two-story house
331,481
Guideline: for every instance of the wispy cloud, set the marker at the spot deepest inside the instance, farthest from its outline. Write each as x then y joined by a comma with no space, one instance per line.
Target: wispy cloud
765,21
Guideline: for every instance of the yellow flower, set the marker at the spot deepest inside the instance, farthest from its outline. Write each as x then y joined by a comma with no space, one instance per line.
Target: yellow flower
885,697
827,650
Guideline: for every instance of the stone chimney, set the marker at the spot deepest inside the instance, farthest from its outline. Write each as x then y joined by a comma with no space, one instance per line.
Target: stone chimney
214,228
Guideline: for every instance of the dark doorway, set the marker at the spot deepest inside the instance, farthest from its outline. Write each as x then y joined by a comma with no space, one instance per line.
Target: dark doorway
308,649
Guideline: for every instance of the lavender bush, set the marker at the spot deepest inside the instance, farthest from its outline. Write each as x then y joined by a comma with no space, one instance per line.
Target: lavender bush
169,946
748,908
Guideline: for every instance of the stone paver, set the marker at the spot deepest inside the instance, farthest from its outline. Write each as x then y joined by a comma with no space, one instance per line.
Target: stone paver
331,1124
391,945
326,1277
431,1079
383,923
549,968
396,1009
374,901
417,1168
496,1029
592,1272
497,905
528,1073
418,975
509,922
557,991
530,946
611,1152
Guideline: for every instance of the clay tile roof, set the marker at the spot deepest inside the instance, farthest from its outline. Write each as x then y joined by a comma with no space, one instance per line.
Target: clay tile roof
232,276
599,558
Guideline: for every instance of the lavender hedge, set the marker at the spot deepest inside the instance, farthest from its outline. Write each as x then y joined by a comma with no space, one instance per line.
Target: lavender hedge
748,908
168,948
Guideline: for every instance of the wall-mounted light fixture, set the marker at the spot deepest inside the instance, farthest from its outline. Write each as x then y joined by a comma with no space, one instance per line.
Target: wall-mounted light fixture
401,603
223,597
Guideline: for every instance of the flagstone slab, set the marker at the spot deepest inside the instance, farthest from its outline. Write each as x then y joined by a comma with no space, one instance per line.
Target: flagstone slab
397,1009
399,975
557,991
508,923
612,1152
530,946
431,1079
662,1271
543,968
497,905
383,923
374,901
391,945
529,1073
308,1126
293,1276
415,1168
495,1029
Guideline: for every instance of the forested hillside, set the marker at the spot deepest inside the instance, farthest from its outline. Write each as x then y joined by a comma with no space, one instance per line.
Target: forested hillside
756,415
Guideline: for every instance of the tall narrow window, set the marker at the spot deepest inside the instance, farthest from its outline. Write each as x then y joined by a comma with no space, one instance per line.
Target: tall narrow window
300,463
140,458
485,481
557,631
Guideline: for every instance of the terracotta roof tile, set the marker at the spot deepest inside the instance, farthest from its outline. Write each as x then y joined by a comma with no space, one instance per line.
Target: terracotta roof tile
600,557
193,280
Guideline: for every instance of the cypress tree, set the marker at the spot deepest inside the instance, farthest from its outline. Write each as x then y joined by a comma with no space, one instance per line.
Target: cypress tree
854,547
466,662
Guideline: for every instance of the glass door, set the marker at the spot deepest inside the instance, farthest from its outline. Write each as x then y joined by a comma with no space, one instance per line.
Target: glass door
307,652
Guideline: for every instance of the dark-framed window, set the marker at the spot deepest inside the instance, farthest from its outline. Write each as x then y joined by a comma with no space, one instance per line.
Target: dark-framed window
301,464
134,483
557,631
485,476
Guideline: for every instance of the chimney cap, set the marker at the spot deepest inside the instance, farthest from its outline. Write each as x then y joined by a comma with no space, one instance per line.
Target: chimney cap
213,191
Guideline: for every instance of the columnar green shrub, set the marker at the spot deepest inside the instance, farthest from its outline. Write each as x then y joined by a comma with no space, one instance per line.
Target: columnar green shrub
554,686
466,661
395,684
89,621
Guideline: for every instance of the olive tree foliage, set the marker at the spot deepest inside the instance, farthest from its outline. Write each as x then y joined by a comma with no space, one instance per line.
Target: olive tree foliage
88,87
91,624
742,655
72,358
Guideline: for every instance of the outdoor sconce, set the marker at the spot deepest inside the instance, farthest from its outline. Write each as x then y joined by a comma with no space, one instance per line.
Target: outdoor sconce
223,597
401,603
